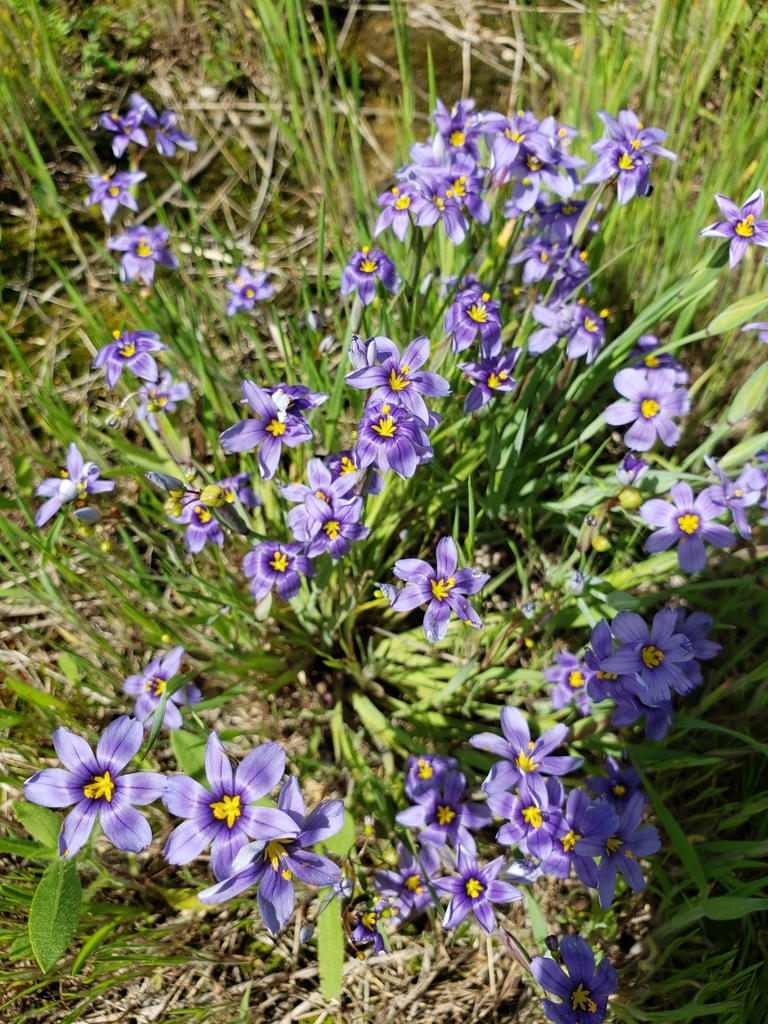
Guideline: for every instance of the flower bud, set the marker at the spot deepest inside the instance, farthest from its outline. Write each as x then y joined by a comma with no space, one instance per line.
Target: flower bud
576,583
105,546
213,496
600,543
630,497
529,609
306,933
172,506
390,857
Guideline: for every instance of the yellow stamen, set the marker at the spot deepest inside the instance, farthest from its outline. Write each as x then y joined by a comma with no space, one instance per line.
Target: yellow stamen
385,427
607,675
745,228
688,523
478,312
457,138
652,656
580,999
590,324
533,163
458,187
575,679
441,588
275,850
445,815
203,514
127,350
332,528
425,769
494,380
513,135
438,201
473,887
102,786
114,191
532,816
649,408
626,163
227,809
157,685
368,266
619,790
368,921
279,561
397,381
249,293
568,208
652,362
612,844
347,465
569,840
142,249
525,763
275,428
413,884
403,203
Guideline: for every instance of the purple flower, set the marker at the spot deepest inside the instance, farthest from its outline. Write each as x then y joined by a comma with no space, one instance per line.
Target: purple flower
602,684
593,822
741,225
367,927
426,772
584,990
202,527
630,470
652,401
558,220
644,357
695,627
396,202
621,785
629,164
657,719
248,289
570,677
685,521
320,485
534,817
167,135
274,860
111,191
142,248
344,462
127,130
393,437
653,654
332,525
435,201
93,782
621,850
223,815
522,757
294,398
474,313
475,890
161,397
77,479
364,266
739,495
513,136
150,685
443,589
130,349
239,486
399,380
273,564
407,886
632,133
494,377
273,428
443,816
761,328
457,127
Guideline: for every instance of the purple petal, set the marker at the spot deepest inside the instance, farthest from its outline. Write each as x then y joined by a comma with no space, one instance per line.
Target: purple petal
124,826
260,771
188,840
119,742
75,754
142,787
218,768
77,827
53,787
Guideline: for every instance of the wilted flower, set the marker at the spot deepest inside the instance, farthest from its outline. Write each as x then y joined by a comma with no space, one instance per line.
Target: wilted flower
522,757
202,526
494,377
364,266
652,401
475,890
570,677
127,130
740,225
130,349
77,479
273,428
443,815
160,397
584,990
685,521
151,683
274,564
248,289
111,191
443,589
239,486
94,783
630,470
399,380
142,248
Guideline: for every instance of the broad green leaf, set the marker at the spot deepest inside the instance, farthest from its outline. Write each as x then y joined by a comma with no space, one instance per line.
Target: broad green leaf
740,453
539,926
750,395
41,823
330,948
622,601
189,751
738,313
344,840
68,666
54,913
34,696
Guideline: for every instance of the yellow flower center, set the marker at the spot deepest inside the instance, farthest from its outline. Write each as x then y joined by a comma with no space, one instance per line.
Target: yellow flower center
607,675
457,138
478,312
279,561
102,786
458,187
652,656
368,266
127,350
249,293
275,850
619,790
227,809
580,1000
403,203
413,884
649,408
575,679
347,465
142,249
635,143
385,427
525,763
652,362
745,228
533,163
532,816
368,921
514,135
445,815
612,844
425,769
568,208
626,163
569,840
275,428
437,200
688,523
114,191
203,514
590,324
397,381
473,887
494,380
332,528
157,686
441,588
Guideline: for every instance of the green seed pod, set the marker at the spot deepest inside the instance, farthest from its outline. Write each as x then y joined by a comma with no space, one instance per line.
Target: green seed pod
630,497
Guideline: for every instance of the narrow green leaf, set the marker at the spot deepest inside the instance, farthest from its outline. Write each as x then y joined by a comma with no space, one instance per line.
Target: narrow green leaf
54,913
738,313
68,666
622,601
330,949
680,842
750,395
189,751
41,823
539,926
